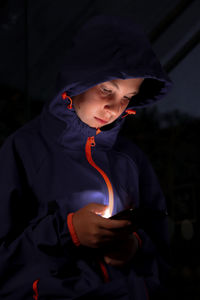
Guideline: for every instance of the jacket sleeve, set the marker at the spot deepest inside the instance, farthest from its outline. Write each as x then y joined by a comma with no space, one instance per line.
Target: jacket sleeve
153,257
22,228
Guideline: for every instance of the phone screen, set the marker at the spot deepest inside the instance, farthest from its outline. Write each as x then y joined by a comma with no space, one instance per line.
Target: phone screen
126,214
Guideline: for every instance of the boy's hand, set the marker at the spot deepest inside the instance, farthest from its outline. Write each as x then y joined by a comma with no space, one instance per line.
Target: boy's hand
122,251
95,231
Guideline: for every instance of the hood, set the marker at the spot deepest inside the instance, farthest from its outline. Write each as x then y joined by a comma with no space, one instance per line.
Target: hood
106,48
111,47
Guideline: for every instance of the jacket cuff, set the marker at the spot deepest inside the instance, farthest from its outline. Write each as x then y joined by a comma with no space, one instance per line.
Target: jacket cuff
138,238
72,230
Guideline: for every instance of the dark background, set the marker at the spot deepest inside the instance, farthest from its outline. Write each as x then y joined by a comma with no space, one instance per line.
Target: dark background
34,37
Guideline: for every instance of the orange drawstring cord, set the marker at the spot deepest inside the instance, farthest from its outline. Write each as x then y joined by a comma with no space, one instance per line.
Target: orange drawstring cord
65,96
104,271
72,231
138,238
35,289
129,112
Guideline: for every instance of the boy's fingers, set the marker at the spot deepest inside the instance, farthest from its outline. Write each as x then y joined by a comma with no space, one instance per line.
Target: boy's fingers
113,262
110,236
113,224
106,223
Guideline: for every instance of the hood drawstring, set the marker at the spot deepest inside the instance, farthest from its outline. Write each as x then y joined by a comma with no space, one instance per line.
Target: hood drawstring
64,97
129,112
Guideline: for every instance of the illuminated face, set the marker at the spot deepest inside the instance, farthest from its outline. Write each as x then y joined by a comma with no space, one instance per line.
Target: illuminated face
105,102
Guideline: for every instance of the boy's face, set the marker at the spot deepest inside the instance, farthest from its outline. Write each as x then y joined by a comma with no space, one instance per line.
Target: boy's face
105,102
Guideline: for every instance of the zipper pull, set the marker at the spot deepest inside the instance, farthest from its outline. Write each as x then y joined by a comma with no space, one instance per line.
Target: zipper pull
91,141
98,131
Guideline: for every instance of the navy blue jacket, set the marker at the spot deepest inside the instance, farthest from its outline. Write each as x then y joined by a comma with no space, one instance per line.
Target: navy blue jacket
45,174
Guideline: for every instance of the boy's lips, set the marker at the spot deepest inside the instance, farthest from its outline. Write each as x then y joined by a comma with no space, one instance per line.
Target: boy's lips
101,120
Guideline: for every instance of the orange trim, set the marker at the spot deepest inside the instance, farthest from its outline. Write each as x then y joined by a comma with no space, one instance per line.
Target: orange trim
65,96
35,289
91,143
104,271
129,112
72,230
98,131
138,238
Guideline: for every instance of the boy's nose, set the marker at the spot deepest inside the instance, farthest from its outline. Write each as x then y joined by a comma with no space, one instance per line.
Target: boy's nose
112,108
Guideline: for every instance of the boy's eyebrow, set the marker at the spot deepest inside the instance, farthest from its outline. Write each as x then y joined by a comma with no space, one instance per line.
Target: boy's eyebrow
113,83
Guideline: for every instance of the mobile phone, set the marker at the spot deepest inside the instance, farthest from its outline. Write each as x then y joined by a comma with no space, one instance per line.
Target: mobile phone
126,214
140,216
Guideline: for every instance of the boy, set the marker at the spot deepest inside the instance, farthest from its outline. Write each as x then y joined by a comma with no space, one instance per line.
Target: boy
66,172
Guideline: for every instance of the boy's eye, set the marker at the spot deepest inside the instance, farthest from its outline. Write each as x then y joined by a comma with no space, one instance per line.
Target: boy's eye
127,98
107,91
104,90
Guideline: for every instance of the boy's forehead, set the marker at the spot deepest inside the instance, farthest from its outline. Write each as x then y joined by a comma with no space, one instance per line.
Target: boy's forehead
127,83
127,80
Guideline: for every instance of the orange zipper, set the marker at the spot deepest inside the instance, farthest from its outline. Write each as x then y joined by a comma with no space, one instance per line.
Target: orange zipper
91,143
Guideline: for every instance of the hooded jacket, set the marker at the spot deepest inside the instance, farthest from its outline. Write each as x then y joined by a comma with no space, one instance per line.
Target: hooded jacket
56,164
